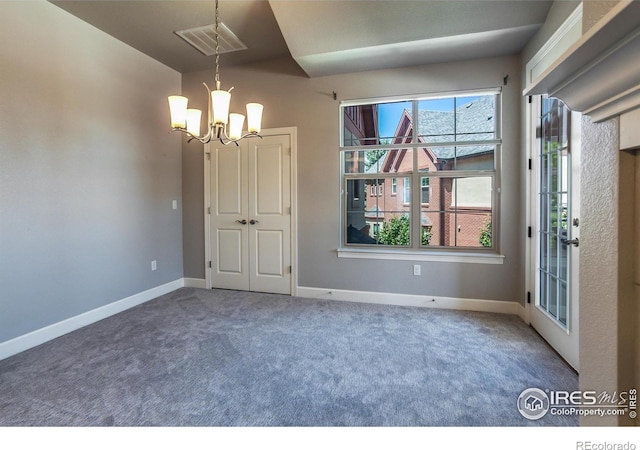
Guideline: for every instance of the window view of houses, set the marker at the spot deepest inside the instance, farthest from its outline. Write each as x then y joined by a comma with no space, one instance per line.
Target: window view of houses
434,189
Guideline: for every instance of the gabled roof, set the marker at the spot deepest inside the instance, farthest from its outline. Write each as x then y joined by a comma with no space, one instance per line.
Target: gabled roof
472,121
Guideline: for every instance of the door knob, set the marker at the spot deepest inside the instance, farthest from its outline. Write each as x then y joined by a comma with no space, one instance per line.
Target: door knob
575,242
243,221
253,222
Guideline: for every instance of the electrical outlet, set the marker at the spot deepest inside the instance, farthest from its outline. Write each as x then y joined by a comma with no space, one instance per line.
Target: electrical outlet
154,266
416,269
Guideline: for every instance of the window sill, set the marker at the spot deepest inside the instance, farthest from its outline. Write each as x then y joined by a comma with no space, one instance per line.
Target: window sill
403,255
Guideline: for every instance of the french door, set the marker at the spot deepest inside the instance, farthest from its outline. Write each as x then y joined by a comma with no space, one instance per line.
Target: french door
556,171
250,215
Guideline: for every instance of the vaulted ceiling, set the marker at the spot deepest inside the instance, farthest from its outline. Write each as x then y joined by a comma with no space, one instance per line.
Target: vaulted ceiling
324,37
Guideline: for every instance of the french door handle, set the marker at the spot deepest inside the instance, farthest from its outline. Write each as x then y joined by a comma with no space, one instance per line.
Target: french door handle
243,221
253,222
575,242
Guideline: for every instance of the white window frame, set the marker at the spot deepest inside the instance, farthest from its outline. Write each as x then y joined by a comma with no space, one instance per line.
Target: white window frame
417,253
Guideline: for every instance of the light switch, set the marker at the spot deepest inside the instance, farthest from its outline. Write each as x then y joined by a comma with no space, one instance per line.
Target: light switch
174,204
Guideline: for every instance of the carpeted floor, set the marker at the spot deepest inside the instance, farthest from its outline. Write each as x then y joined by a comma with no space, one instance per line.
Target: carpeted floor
198,357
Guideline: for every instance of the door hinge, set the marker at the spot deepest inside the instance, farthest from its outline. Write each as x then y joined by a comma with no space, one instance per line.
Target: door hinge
530,163
209,156
209,210
289,269
530,99
528,297
528,231
209,264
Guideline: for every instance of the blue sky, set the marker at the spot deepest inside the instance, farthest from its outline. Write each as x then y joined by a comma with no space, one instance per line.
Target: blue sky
389,113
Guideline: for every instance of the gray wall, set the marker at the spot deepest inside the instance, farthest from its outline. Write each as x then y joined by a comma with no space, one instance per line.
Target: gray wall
87,169
292,99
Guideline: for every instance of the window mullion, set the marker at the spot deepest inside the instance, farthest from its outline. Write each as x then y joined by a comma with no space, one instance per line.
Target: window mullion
416,204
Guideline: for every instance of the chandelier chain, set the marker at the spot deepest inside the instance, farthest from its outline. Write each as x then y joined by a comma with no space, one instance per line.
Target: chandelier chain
217,22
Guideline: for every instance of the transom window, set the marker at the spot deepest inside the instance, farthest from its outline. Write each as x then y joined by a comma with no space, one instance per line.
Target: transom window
421,173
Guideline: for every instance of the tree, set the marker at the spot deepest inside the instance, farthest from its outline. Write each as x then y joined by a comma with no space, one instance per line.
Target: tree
372,157
397,231
485,234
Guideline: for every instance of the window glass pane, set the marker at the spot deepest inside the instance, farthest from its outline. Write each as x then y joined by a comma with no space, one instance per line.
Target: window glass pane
377,124
436,120
374,216
395,122
457,119
378,161
475,118
459,212
359,125
464,157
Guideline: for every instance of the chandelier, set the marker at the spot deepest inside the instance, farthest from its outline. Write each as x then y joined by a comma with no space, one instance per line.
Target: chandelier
188,120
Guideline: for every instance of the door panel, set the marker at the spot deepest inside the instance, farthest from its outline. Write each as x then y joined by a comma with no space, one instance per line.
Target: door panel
269,179
269,251
230,251
229,178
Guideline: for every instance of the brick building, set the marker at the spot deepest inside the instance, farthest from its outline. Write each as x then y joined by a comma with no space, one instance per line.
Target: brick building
454,210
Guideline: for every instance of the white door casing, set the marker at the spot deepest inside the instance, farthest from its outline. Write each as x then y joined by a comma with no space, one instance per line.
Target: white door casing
250,224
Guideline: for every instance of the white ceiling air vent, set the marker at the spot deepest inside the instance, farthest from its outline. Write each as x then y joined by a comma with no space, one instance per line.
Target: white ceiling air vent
204,39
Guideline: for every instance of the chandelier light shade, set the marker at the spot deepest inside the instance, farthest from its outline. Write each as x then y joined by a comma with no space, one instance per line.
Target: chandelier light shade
193,121
178,109
254,117
188,120
220,101
236,121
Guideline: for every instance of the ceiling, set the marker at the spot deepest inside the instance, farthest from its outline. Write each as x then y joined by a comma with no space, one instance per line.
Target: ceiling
324,37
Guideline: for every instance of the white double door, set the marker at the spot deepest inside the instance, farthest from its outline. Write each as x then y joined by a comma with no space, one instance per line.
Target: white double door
250,215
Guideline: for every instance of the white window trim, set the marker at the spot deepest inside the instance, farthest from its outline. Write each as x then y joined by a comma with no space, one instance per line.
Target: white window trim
423,255
448,254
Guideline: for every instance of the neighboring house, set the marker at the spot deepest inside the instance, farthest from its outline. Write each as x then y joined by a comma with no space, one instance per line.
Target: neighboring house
453,210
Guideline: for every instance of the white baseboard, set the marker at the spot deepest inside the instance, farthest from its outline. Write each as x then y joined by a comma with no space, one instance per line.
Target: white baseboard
423,301
523,313
195,283
37,337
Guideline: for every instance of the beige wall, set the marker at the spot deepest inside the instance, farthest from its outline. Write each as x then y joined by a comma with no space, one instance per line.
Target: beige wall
292,99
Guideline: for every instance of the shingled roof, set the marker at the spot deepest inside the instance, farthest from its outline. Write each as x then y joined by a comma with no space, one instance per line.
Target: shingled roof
472,121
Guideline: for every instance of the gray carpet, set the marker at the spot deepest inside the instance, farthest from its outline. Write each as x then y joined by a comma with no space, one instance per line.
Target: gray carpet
198,357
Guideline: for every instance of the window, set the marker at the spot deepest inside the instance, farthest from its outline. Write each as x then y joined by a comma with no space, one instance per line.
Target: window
441,152
424,194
